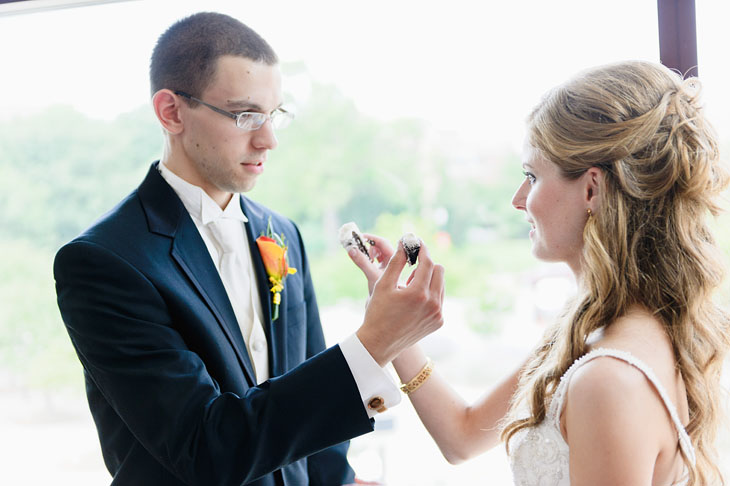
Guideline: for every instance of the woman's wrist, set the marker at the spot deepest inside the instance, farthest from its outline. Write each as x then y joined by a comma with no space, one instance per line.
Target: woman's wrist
418,380
409,362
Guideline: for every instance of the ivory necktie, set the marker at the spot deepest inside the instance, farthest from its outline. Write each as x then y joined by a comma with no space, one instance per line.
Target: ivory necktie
235,271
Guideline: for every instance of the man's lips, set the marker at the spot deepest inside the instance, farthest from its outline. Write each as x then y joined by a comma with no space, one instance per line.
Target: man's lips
254,167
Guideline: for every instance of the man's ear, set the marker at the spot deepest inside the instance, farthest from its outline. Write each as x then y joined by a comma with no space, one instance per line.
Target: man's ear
167,109
593,183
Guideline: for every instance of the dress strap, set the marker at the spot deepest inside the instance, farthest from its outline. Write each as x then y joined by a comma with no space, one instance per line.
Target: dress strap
558,399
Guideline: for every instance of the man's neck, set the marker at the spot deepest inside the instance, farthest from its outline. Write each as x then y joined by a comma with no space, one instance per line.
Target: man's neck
221,198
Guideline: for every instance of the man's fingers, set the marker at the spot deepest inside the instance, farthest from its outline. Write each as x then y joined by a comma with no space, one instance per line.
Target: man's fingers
422,274
395,267
437,282
410,277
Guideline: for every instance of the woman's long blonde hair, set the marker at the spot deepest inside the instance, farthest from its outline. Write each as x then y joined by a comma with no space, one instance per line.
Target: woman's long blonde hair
648,243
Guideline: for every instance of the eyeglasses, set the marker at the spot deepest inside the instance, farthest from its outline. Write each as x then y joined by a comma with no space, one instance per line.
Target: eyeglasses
248,120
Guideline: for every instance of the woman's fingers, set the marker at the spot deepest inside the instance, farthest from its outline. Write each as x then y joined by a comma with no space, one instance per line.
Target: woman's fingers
381,247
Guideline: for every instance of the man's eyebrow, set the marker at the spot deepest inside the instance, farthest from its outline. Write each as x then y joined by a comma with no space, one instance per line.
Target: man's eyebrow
246,105
243,105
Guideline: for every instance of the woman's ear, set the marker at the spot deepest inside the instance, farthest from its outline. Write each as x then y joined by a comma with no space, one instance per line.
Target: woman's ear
167,109
593,183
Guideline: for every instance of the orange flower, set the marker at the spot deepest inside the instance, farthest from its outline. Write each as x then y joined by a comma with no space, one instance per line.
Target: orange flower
274,257
277,268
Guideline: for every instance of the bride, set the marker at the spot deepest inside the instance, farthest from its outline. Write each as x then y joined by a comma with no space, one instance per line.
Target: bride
621,169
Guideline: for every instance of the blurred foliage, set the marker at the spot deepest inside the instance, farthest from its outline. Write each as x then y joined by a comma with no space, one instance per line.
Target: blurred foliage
59,171
33,341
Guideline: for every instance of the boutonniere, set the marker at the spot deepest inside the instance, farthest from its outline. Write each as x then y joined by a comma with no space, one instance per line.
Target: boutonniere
273,253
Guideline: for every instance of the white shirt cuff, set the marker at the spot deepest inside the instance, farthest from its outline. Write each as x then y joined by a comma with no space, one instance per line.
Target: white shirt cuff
377,389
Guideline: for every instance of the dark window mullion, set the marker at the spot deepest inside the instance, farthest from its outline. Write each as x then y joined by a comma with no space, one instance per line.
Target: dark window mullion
678,35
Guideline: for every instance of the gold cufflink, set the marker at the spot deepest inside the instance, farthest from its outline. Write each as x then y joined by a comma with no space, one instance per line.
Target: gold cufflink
377,404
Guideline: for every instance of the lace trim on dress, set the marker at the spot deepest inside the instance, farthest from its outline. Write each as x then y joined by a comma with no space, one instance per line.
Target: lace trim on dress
557,403
539,455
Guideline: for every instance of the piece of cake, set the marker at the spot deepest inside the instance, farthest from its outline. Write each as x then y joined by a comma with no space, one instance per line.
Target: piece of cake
350,236
411,245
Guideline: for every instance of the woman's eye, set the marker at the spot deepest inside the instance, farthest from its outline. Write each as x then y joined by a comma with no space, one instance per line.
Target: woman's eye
530,177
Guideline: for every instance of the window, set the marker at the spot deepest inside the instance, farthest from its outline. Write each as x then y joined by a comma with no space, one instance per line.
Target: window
410,117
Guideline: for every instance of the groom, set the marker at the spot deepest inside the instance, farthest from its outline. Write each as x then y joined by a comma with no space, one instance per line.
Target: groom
202,348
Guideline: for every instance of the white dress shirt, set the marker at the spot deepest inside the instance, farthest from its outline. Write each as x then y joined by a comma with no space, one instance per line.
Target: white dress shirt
375,385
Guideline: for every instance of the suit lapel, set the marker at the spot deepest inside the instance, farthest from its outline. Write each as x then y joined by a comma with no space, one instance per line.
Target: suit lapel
166,215
192,255
275,331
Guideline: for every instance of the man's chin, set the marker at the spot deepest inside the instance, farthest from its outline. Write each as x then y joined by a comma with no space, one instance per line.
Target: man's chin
243,186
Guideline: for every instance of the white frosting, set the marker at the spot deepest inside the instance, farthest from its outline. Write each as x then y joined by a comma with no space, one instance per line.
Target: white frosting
411,245
411,240
346,231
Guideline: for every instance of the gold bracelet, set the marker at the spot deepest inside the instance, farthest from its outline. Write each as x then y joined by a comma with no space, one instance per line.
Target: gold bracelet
419,379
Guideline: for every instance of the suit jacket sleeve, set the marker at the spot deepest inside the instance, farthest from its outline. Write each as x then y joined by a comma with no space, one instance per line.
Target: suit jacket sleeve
330,466
126,340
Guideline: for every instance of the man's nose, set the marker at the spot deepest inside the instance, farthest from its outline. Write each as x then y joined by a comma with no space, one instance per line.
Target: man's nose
264,137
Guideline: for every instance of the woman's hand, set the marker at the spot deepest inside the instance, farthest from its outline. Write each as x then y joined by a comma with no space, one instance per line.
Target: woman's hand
380,250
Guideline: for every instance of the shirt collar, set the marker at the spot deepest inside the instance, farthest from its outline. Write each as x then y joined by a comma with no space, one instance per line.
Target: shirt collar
198,203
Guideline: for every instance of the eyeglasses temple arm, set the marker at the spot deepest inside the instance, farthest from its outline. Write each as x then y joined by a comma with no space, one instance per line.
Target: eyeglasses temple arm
214,108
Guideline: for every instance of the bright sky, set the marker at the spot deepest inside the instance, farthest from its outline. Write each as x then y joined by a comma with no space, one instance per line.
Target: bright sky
457,64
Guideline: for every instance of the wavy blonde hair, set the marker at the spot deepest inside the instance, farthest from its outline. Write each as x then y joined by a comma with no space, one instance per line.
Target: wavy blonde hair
648,243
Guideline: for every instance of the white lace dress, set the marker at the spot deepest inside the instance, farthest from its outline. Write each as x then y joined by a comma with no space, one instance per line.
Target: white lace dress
539,455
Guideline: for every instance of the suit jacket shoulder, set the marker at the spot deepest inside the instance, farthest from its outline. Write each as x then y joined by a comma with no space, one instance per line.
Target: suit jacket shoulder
165,370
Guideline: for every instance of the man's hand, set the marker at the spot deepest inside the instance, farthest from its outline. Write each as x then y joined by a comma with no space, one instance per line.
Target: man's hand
398,317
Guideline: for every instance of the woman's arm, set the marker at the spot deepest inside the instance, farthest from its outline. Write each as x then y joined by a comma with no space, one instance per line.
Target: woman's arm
461,430
615,423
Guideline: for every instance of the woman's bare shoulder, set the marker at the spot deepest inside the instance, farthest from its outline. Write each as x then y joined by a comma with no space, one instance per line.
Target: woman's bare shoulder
642,335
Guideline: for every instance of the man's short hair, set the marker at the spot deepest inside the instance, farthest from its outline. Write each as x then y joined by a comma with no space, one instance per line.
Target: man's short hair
186,54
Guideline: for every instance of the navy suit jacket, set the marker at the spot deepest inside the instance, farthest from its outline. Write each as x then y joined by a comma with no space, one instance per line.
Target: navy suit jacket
169,381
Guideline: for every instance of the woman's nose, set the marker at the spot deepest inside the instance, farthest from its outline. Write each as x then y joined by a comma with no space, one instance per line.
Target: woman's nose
518,200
